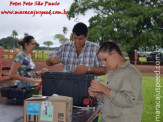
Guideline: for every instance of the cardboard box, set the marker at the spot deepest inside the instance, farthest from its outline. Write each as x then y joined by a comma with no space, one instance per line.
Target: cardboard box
48,109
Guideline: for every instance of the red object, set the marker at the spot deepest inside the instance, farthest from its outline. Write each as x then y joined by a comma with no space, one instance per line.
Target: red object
86,101
92,99
39,85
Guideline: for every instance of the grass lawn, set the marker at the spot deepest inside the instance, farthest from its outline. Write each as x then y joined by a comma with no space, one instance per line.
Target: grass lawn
149,92
142,59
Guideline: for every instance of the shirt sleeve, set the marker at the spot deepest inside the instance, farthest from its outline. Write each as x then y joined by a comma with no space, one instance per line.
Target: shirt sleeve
129,92
57,52
19,59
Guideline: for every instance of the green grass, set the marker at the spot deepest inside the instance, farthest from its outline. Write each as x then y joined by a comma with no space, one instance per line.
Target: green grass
142,59
149,92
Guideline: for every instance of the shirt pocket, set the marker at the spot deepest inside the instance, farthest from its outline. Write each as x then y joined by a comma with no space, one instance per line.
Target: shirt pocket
111,110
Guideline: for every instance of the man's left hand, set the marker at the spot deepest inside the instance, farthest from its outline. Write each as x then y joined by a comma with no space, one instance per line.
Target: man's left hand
81,69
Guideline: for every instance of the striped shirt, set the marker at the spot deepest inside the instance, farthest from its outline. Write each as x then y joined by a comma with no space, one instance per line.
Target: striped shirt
88,55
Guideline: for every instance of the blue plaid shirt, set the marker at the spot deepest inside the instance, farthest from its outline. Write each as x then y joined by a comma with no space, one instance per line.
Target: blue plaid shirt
88,55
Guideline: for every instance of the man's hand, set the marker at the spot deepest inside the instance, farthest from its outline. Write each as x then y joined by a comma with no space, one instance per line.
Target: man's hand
81,69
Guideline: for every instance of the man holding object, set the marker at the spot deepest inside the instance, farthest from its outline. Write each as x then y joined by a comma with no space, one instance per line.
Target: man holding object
78,56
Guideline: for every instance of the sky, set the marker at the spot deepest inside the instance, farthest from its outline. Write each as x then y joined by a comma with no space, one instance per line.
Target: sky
44,27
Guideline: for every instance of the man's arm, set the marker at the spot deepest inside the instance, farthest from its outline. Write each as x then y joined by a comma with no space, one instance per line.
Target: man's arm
98,70
52,60
82,69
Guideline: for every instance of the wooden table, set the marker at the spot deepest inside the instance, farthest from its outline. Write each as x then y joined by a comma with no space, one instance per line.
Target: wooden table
14,113
80,115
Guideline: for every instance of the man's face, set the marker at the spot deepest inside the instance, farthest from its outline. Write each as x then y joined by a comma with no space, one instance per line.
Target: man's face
79,41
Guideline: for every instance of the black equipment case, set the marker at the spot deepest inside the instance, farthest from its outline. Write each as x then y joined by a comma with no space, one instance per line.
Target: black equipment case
17,95
66,84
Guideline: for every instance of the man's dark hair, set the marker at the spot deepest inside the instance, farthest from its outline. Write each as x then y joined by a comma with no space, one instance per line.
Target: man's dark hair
109,46
80,29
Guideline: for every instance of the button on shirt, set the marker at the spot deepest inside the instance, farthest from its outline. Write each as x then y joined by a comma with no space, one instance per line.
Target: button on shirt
88,55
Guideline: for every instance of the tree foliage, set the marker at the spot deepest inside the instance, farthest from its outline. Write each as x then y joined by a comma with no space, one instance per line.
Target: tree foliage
61,38
48,43
131,23
65,30
14,34
7,42
26,34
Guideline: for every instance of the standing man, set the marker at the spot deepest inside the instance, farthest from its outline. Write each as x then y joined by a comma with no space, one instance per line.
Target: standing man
80,55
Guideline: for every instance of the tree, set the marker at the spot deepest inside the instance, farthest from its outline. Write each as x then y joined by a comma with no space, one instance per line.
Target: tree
6,42
37,46
71,37
48,43
65,30
14,34
61,38
26,34
131,23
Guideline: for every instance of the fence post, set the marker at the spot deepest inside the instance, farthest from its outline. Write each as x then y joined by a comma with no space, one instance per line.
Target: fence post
37,54
1,56
136,57
33,55
42,55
